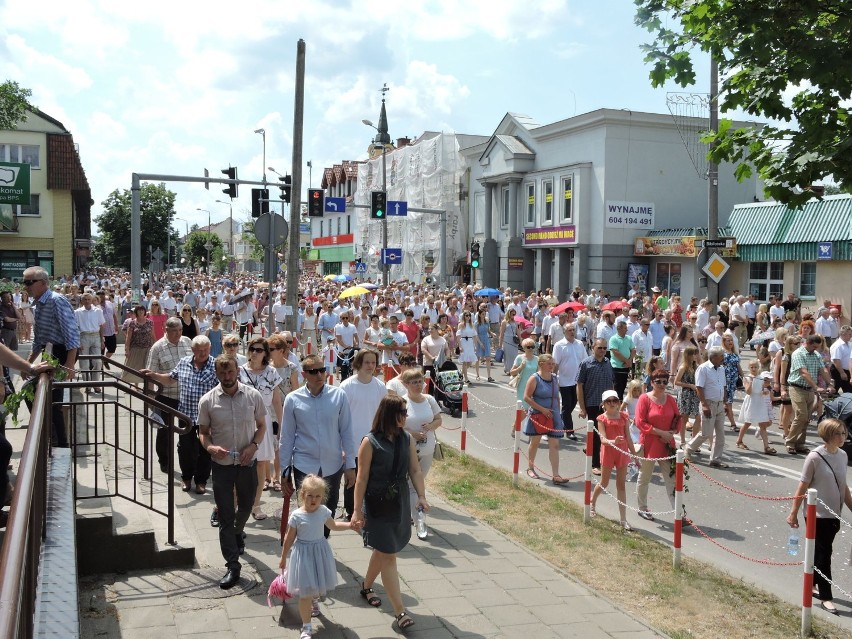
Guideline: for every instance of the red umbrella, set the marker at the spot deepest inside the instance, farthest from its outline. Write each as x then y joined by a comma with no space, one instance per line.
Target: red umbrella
523,321
615,306
574,306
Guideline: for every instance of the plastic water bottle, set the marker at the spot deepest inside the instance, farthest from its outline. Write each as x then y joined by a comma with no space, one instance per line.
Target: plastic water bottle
234,453
632,472
793,544
420,523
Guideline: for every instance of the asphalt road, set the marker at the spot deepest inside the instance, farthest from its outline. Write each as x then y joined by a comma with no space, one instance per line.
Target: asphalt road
753,532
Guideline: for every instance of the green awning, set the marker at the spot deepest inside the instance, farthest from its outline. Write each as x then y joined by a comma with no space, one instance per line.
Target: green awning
771,231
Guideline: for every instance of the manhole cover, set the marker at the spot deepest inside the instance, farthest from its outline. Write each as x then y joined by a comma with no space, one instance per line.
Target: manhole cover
203,583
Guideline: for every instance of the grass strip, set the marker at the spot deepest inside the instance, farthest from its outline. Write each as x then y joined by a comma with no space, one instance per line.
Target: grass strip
698,601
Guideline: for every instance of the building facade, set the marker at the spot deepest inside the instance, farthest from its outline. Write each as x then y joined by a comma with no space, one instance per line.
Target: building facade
561,205
54,230
332,235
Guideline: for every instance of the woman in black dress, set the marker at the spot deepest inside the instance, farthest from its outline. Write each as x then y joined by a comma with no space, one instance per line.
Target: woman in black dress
189,325
386,458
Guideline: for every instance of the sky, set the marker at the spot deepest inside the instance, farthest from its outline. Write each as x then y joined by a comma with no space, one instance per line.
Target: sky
176,87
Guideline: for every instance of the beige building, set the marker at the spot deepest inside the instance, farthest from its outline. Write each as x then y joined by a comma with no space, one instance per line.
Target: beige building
54,230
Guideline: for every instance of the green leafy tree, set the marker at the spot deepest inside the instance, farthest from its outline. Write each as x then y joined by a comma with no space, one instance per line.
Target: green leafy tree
196,248
786,61
157,208
257,250
14,102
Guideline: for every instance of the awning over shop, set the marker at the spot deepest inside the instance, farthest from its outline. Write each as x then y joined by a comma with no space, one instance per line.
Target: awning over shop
771,231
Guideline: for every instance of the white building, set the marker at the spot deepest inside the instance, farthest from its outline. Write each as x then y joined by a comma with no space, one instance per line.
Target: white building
561,205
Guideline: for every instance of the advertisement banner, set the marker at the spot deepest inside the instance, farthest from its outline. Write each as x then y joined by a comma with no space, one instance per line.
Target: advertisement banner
629,215
687,246
637,274
333,240
551,235
14,183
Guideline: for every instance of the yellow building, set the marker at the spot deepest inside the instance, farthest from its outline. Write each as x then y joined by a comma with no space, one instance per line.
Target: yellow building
54,230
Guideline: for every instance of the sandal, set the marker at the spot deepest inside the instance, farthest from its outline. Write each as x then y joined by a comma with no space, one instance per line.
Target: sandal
742,446
267,484
491,379
370,596
403,620
592,511
276,486
626,527
532,474
559,481
770,451
315,611
258,515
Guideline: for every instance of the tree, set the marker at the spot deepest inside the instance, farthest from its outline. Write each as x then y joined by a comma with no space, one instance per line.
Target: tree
196,248
157,207
14,102
788,61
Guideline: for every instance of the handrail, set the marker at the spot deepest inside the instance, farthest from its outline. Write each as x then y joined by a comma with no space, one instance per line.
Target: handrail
26,525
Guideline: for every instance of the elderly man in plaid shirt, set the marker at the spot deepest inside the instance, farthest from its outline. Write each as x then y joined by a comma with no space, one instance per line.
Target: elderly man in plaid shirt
196,375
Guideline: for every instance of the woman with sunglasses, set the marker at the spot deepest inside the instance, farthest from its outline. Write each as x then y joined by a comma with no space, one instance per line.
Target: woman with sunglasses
658,421
283,360
258,374
188,327
509,340
541,394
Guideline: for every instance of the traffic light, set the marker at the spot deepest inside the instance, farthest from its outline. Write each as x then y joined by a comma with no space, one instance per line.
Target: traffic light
231,172
474,255
378,202
286,187
259,202
316,202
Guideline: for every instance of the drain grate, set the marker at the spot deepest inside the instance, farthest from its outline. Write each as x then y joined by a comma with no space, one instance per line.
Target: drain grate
203,583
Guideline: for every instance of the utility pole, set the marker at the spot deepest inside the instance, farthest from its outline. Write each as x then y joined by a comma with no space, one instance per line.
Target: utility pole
296,193
713,179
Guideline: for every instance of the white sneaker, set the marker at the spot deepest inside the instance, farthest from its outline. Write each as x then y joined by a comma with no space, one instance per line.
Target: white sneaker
307,632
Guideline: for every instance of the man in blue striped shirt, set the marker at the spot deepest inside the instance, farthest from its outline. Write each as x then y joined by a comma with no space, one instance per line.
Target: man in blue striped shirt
55,324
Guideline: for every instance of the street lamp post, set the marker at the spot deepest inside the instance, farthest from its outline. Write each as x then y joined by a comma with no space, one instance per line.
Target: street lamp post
231,222
209,244
310,174
180,219
382,140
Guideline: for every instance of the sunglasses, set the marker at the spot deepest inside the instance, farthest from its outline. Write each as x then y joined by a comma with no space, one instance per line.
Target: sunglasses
312,371
611,400
30,282
529,348
231,345
288,341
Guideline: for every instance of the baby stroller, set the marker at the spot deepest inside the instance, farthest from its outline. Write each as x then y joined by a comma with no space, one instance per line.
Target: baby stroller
841,408
448,387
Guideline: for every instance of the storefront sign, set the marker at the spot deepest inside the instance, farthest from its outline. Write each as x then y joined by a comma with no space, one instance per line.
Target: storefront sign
551,235
14,183
333,240
516,264
686,246
628,215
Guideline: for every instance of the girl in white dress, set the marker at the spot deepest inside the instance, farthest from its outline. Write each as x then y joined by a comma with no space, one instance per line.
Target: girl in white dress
466,339
755,407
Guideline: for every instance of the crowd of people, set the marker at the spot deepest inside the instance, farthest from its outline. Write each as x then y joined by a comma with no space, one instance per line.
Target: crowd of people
654,372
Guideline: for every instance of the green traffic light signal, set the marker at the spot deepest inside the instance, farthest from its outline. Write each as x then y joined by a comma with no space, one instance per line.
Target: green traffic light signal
474,263
378,201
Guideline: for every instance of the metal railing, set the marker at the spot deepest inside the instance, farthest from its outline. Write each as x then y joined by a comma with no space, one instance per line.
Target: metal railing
25,528
129,435
115,437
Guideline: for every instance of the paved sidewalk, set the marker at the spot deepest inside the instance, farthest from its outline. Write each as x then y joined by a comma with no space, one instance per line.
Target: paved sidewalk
465,580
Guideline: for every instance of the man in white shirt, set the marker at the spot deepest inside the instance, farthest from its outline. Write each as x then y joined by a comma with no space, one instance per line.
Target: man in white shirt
776,311
364,391
703,315
279,311
643,341
823,326
750,309
632,321
169,303
495,315
710,386
90,320
606,327
390,352
228,309
841,354
567,355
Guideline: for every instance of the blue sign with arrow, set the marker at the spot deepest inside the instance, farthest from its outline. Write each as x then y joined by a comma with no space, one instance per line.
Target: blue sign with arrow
392,256
335,205
398,208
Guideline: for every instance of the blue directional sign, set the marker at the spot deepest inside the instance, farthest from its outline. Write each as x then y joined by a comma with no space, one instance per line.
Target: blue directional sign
392,256
361,267
397,208
335,204
825,251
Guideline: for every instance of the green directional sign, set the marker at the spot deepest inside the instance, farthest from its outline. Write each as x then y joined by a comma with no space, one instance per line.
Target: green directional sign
14,183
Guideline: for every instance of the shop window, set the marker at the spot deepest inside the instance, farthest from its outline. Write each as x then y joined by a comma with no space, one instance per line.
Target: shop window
807,280
31,209
547,188
567,198
505,220
765,279
669,277
530,204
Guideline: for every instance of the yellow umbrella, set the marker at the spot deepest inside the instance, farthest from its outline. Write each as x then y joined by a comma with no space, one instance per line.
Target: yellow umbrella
329,277
353,291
